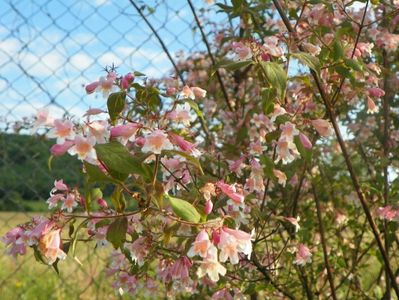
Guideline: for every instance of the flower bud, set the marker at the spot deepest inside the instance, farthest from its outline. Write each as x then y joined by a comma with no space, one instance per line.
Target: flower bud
102,203
208,207
306,143
91,87
170,91
60,149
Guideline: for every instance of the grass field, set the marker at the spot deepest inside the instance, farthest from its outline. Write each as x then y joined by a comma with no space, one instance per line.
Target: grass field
27,279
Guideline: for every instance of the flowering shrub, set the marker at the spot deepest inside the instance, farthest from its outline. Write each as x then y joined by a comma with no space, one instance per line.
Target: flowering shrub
242,180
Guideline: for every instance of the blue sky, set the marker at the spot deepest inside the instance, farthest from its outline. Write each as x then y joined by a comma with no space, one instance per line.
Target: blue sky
50,49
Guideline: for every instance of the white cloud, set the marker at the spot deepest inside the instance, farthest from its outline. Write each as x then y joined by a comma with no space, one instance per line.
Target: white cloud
102,2
44,65
8,49
108,59
81,61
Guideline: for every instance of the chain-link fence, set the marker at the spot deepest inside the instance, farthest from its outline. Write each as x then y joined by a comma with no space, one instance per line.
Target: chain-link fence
49,49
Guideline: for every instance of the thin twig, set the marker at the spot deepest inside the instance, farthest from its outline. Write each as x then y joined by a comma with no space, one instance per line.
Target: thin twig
164,48
323,243
205,40
355,181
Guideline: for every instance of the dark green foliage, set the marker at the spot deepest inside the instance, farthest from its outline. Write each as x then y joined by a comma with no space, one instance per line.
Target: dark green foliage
24,174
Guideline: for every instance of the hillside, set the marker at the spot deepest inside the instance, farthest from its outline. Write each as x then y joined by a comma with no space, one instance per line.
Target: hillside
25,180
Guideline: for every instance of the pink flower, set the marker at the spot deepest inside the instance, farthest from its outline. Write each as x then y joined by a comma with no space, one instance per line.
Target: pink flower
211,266
100,130
41,226
286,151
106,85
364,48
62,130
228,248
157,141
61,149
170,91
181,114
294,222
91,87
371,107
230,191
198,92
180,269
59,185
387,212
376,92
255,181
303,255
244,240
271,45
184,145
208,207
127,80
42,118
288,130
49,245
187,93
256,148
10,240
222,294
323,127
306,143
54,199
208,190
243,52
84,148
69,203
201,245
126,132
126,282
312,49
93,112
282,178
236,166
139,250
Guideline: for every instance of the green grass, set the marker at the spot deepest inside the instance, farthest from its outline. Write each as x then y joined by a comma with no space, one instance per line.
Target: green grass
27,279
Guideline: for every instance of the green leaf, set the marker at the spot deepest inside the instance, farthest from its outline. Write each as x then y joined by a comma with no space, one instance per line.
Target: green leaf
268,96
234,65
116,233
268,165
92,195
337,50
38,255
96,175
116,104
197,110
276,76
184,209
308,60
49,161
354,64
118,199
344,72
119,162
138,74
96,194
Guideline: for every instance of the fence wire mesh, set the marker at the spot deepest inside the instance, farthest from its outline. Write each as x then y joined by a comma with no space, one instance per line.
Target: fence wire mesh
49,50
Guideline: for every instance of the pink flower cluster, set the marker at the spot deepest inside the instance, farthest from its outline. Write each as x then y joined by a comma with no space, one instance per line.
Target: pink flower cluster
41,234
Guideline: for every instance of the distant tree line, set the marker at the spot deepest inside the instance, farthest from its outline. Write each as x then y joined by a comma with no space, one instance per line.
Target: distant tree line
25,178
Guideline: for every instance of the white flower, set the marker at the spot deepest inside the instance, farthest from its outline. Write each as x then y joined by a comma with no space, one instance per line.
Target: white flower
157,141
